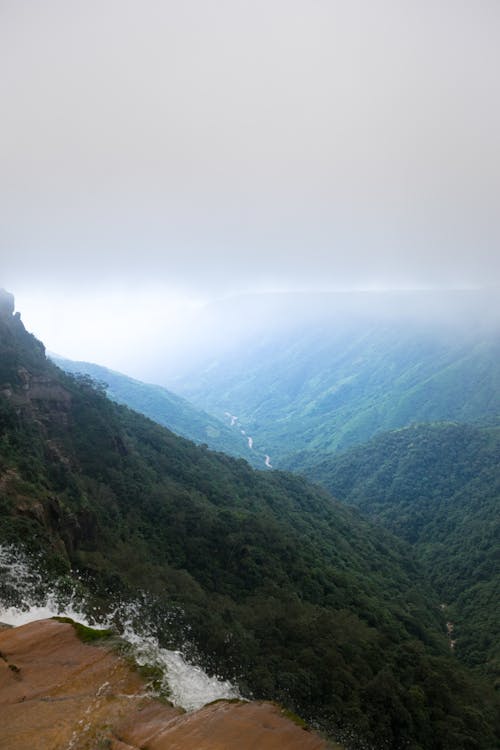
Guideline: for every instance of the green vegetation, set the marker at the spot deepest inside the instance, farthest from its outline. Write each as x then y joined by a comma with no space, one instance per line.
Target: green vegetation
166,408
87,634
297,597
326,387
438,487
293,717
154,679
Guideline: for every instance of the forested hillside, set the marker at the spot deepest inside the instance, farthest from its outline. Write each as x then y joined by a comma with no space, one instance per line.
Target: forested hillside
166,408
326,384
437,486
292,594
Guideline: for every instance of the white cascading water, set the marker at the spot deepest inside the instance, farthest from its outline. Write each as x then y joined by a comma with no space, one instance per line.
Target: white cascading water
24,597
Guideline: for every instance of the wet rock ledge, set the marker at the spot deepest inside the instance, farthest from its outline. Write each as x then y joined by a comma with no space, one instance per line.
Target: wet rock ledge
58,693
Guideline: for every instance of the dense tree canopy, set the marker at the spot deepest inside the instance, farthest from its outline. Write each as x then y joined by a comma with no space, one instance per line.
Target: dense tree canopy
437,486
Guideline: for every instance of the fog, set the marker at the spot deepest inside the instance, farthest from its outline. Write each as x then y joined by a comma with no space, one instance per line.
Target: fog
160,338
157,156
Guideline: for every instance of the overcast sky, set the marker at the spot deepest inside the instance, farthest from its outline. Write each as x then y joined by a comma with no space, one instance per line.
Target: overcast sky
200,147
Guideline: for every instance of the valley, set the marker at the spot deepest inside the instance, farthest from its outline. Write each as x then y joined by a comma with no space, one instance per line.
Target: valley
261,578
328,376
164,407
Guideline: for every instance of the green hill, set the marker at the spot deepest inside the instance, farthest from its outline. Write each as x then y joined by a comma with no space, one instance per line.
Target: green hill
437,486
166,408
327,384
294,595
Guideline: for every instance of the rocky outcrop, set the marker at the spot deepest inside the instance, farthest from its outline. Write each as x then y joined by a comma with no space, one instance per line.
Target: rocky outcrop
39,392
57,693
6,304
21,354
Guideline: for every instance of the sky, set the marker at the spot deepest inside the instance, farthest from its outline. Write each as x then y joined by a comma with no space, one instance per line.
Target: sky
156,155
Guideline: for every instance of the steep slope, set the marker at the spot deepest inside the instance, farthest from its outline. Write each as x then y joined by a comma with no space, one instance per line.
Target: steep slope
325,384
292,594
166,408
438,487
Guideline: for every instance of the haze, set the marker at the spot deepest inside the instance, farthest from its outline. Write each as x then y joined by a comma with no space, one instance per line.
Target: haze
158,155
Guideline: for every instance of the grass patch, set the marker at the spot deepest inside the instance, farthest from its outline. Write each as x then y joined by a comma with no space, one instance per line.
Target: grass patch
86,634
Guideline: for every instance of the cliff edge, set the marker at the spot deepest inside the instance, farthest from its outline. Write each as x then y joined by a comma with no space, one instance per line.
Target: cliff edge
59,693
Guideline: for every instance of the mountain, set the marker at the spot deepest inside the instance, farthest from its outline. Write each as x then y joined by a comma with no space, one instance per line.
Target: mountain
437,486
167,409
265,578
324,379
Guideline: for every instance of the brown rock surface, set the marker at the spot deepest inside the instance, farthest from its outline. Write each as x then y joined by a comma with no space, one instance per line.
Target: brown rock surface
57,693
219,726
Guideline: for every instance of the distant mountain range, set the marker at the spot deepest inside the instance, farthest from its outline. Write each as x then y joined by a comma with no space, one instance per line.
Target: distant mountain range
337,378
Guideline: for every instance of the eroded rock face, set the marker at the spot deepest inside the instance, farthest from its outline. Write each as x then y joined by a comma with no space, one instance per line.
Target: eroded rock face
38,390
57,693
